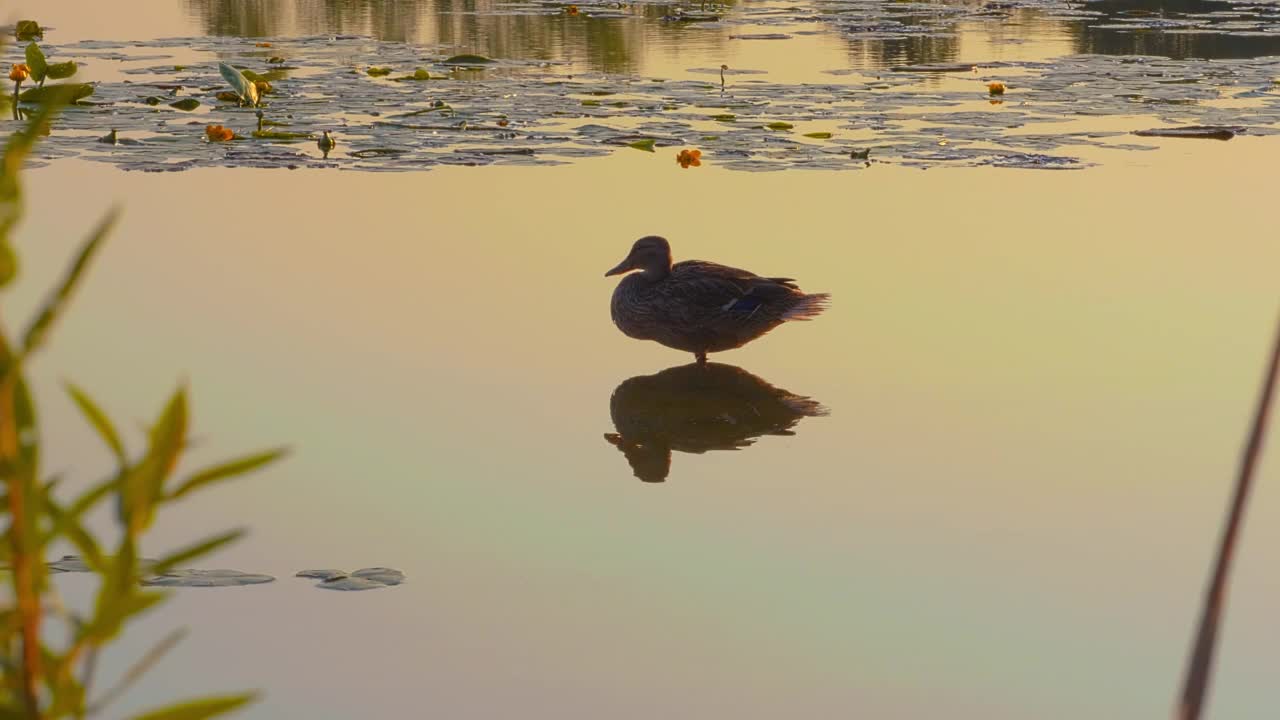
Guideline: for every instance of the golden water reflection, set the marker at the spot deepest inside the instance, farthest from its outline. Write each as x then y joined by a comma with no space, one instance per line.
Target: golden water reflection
697,408
626,37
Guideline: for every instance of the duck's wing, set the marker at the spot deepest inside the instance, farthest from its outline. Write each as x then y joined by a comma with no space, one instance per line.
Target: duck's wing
719,288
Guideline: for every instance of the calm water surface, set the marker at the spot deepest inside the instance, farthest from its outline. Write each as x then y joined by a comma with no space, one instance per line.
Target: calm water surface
1037,382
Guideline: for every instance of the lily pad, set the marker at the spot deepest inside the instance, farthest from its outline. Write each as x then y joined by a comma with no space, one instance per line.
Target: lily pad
378,71
206,578
818,135
326,574
28,30
280,135
78,92
645,144
1205,132
36,62
187,104
467,60
362,579
779,126
347,582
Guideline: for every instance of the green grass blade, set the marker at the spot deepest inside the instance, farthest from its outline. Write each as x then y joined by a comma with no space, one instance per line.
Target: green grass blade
227,470
199,709
53,307
191,552
99,420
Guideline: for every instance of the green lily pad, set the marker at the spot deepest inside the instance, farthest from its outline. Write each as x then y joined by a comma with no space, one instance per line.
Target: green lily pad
362,579
467,60
28,30
185,104
591,103
725,117
179,68
77,91
779,126
818,135
153,100
280,135
275,60
378,71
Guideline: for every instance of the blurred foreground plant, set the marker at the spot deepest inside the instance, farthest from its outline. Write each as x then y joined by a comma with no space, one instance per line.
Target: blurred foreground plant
40,678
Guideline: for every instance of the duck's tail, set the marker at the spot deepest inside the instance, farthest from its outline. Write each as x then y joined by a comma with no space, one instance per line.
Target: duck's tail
808,307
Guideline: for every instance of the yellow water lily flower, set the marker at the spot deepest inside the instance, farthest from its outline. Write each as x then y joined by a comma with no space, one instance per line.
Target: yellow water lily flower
689,158
20,72
217,133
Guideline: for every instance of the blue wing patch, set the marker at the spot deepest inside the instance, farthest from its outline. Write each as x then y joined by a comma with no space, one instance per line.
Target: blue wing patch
744,304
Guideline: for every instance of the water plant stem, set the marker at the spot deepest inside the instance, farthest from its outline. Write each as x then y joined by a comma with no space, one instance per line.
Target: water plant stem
1196,685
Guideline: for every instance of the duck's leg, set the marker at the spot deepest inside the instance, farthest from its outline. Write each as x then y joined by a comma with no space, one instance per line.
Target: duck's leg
702,357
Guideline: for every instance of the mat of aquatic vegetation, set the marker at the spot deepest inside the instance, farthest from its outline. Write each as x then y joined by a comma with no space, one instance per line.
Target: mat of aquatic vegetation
363,579
397,107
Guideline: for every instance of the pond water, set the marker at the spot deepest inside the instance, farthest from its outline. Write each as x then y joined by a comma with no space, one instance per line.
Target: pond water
1033,381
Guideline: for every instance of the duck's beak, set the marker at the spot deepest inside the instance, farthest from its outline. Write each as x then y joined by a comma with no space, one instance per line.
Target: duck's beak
621,267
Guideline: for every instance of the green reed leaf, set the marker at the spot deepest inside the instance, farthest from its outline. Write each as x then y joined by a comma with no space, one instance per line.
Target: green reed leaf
57,303
138,669
227,470
199,709
99,420
191,552
144,484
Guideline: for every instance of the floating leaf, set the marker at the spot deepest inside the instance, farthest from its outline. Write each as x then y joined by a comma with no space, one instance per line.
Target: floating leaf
645,144
75,93
153,100
386,576
779,125
185,104
1206,132
280,135
378,71
467,60
818,135
206,578
724,117
326,574
275,60
28,30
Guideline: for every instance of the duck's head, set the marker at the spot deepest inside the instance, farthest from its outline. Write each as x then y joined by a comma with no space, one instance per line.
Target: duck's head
650,254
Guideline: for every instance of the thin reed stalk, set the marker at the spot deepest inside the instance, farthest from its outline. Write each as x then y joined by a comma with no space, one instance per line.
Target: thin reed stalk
1195,687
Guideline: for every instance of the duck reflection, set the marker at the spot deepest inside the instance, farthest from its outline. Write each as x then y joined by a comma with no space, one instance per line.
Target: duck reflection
695,408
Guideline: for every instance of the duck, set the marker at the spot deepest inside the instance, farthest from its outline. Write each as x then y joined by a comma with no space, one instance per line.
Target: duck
698,306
